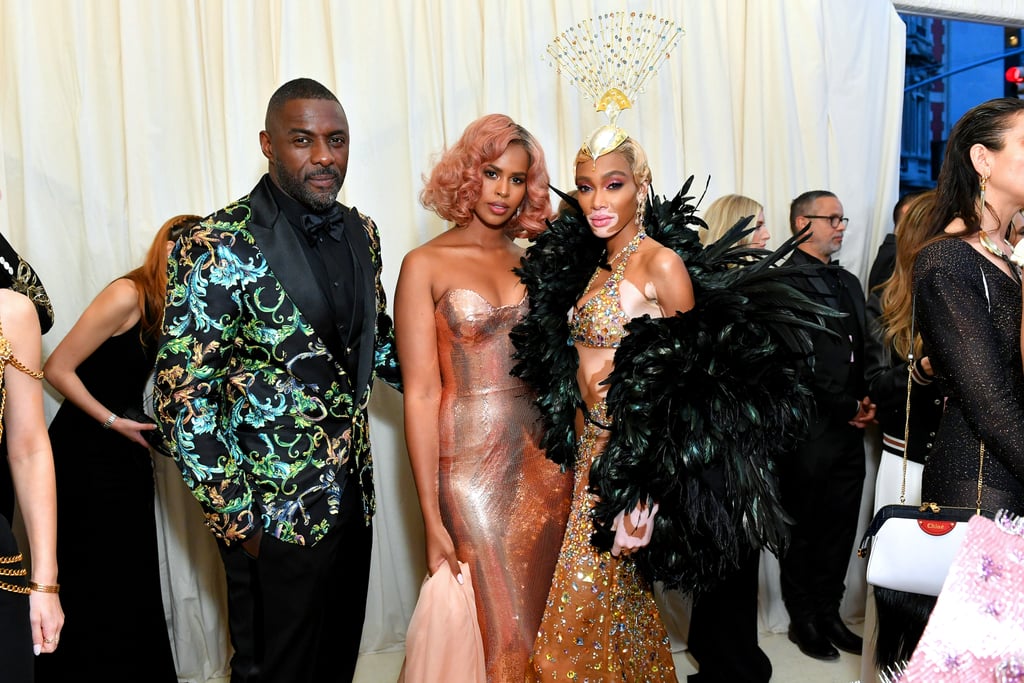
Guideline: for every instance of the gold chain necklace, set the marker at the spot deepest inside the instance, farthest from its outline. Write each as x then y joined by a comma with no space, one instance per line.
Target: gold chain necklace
607,264
630,247
994,249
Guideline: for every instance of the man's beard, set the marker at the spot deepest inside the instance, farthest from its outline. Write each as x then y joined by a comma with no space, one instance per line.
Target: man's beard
296,188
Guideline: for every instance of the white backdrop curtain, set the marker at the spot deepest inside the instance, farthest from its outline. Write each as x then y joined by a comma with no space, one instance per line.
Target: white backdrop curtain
117,114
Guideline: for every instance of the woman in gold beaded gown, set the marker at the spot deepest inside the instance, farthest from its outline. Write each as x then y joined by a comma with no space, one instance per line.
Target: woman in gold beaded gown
488,495
600,622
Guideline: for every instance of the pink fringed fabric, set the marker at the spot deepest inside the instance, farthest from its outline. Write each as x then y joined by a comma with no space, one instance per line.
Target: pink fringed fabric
976,632
443,642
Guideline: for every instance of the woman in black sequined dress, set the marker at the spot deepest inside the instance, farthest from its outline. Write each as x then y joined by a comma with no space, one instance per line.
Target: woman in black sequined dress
969,312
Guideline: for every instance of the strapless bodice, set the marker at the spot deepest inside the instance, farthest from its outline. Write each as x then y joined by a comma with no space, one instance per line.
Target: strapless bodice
473,346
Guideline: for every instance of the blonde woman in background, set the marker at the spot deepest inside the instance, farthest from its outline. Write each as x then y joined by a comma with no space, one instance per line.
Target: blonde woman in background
726,211
723,623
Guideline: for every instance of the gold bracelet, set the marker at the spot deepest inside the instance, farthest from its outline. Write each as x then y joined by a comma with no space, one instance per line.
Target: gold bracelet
44,588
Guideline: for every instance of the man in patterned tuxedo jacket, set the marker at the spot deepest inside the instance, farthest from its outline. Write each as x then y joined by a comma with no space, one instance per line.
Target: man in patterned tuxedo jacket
274,331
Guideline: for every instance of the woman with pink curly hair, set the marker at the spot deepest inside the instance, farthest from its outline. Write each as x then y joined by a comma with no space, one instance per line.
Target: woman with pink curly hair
491,501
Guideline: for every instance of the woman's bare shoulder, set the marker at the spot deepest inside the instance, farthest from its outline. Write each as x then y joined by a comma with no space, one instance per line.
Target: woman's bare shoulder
18,318
661,259
15,307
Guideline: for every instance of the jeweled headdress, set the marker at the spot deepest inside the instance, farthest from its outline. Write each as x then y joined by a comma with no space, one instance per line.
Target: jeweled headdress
609,60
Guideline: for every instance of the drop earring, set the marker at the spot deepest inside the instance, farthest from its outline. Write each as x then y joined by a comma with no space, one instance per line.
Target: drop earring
982,183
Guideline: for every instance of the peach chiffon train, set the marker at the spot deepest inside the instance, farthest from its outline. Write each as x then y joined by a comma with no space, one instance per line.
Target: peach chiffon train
503,502
444,642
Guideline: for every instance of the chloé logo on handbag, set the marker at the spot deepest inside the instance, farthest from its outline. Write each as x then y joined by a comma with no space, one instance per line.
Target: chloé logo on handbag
935,527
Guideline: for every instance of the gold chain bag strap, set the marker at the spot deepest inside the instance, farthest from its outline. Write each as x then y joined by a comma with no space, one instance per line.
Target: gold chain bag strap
911,548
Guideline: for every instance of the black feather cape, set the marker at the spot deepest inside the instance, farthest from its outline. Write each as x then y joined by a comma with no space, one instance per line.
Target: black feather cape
703,404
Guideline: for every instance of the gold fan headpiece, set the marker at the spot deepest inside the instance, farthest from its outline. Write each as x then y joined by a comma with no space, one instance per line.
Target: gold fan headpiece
610,59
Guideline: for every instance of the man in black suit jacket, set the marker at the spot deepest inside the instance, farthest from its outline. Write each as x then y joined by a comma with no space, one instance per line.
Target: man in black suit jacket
822,482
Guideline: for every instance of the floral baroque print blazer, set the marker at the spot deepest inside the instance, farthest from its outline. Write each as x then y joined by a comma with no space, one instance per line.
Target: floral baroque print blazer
264,421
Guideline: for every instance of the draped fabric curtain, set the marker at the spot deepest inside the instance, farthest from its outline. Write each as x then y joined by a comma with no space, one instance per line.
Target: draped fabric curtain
117,114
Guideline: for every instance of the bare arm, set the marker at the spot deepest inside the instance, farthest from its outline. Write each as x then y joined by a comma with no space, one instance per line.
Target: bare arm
31,462
672,286
416,339
114,311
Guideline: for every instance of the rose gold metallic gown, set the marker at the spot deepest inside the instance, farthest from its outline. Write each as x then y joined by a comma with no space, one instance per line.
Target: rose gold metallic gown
503,502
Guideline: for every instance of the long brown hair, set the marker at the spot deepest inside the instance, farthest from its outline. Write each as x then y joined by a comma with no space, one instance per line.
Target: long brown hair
151,277
914,229
958,186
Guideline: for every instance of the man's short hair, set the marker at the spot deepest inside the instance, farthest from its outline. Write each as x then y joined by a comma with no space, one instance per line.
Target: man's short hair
901,204
802,204
297,89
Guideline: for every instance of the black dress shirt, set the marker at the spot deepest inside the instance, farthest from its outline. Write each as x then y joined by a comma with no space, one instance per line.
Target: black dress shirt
335,270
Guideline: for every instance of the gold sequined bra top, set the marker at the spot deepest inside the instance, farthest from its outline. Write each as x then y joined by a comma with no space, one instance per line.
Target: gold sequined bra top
600,323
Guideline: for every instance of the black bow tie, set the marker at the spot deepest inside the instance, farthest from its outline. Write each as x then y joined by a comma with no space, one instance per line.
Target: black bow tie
314,225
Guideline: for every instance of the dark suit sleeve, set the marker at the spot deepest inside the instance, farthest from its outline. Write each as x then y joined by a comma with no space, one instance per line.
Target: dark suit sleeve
206,275
385,358
830,396
832,361
886,381
884,264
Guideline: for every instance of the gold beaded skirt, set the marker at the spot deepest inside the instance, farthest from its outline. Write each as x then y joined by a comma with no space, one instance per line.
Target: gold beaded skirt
600,622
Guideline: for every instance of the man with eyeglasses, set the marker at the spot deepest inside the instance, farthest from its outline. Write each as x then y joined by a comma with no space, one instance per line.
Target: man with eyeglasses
822,481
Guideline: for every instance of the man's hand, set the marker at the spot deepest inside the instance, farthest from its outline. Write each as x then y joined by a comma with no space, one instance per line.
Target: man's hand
633,529
251,545
865,414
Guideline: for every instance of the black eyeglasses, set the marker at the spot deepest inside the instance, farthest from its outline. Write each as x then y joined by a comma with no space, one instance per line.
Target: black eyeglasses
834,221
